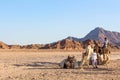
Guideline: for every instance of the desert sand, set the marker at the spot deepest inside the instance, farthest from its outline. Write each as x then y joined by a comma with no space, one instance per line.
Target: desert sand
33,65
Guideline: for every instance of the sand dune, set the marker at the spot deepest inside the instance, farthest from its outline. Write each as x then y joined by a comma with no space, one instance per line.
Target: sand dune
44,66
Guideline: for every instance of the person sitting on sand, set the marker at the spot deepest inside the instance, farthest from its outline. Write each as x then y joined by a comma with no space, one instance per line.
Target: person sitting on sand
94,59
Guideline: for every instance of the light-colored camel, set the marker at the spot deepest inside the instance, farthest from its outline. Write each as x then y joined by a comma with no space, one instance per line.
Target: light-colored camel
86,56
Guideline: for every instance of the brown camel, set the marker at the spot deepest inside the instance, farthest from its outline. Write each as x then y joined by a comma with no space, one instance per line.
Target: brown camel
102,51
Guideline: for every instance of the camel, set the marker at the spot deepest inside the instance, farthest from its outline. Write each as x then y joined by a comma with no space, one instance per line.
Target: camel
68,63
105,52
84,61
86,55
102,52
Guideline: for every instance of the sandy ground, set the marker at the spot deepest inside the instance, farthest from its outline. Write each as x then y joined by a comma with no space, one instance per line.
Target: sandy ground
44,66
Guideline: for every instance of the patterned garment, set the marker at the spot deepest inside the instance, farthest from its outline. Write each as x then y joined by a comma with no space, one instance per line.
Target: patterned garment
94,59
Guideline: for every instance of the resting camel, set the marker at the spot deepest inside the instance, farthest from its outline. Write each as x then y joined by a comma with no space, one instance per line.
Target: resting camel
68,63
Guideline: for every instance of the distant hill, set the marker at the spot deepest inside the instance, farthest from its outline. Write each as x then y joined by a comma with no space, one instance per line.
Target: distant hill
65,44
97,35
31,46
72,43
100,33
3,45
73,38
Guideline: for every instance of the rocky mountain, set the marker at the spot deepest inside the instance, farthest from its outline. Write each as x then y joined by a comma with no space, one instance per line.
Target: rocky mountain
31,46
73,38
100,33
3,45
65,44
72,43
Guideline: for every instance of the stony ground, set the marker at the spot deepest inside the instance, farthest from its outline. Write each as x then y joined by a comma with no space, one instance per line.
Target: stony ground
44,66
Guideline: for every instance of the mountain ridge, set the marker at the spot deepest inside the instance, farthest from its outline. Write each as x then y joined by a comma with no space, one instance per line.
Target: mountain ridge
100,33
71,43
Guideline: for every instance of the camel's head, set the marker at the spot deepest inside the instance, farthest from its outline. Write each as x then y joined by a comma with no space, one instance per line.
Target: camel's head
71,59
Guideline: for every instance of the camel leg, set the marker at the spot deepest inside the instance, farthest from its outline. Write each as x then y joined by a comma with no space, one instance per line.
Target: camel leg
100,59
104,57
107,60
81,64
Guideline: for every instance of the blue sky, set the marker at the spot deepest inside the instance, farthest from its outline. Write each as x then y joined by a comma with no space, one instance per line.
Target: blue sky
46,21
